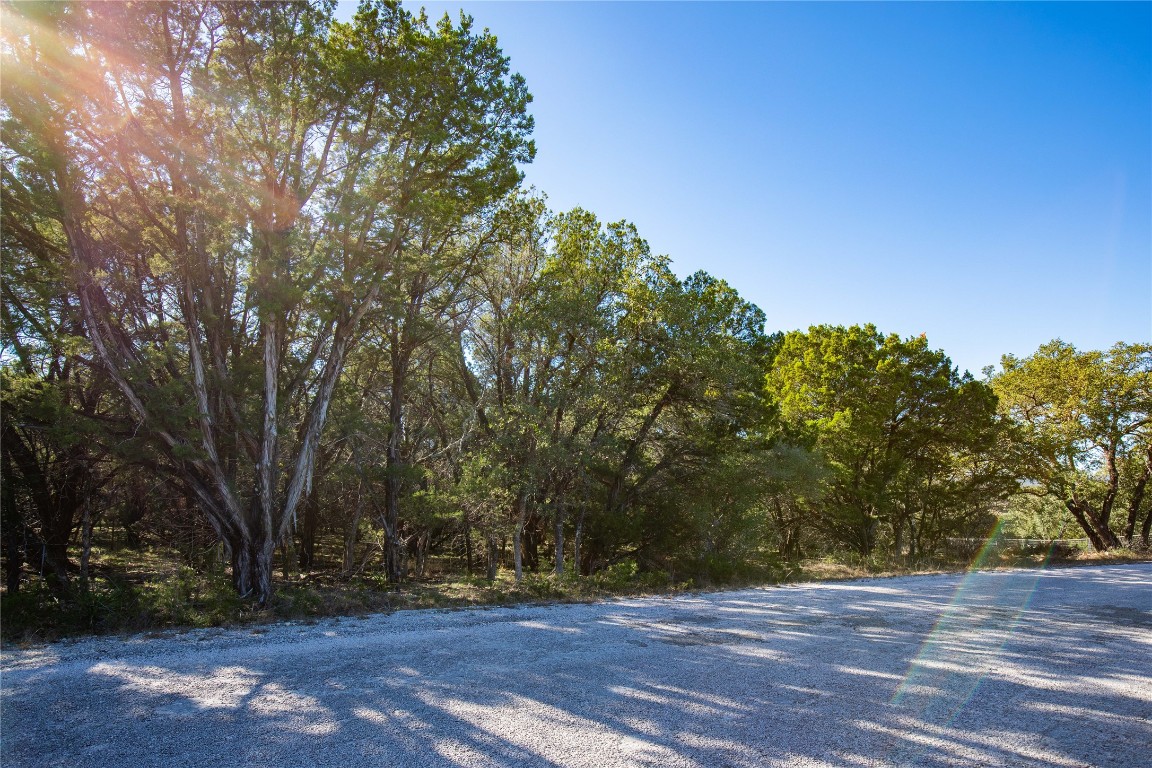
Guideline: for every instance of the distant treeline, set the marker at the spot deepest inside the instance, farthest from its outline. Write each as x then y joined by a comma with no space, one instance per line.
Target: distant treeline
271,280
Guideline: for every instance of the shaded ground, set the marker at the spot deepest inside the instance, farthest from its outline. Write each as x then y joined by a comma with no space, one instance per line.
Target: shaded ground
1039,667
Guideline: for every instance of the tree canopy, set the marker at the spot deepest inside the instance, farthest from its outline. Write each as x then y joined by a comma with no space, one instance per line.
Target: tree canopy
272,279
1086,419
905,437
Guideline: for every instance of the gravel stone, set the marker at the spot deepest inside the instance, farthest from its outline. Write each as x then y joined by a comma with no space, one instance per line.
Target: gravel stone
996,668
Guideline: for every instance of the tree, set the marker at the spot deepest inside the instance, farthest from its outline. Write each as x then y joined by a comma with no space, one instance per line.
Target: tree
425,300
597,375
1086,421
52,403
901,430
235,184
692,366
792,482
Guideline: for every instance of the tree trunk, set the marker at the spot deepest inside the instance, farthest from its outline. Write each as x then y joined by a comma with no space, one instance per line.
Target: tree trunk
285,557
898,538
914,548
348,561
1078,512
517,553
864,532
493,557
393,479
15,537
55,511
422,541
467,544
86,525
518,535
533,533
1093,537
1137,499
783,528
1104,518
558,533
352,534
578,541
308,532
632,453
252,566
393,556
589,558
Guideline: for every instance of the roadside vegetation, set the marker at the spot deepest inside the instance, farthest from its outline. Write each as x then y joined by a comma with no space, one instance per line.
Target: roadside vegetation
156,589
285,336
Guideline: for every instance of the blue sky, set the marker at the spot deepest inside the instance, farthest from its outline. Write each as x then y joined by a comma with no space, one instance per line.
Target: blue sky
980,173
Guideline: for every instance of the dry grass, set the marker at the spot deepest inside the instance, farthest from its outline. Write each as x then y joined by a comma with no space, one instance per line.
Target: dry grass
151,589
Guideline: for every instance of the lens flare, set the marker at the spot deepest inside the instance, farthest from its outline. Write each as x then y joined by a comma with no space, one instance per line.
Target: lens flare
967,639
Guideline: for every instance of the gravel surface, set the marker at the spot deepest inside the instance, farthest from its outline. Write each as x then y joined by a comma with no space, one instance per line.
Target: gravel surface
1021,668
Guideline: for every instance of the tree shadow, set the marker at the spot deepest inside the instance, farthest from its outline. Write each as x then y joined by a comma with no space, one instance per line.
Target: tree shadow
985,669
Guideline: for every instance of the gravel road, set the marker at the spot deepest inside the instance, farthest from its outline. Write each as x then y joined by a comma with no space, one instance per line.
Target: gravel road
1021,668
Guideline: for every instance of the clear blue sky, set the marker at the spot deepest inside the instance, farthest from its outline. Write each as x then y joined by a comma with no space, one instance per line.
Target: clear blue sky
980,173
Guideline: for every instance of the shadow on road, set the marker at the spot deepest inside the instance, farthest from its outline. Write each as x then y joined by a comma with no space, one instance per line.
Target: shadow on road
1004,668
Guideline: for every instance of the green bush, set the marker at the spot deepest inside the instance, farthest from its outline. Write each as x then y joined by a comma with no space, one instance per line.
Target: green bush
616,577
542,586
298,601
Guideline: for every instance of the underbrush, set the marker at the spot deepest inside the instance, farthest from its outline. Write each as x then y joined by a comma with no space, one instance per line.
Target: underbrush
156,589
1047,555
182,598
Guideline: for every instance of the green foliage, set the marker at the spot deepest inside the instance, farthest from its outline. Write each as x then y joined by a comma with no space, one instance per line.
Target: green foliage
1085,431
276,271
191,598
616,577
542,586
182,598
793,481
906,439
1027,516
233,191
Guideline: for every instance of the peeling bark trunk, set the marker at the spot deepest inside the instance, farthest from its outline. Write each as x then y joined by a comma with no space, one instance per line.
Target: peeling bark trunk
518,536
263,507
252,568
393,480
